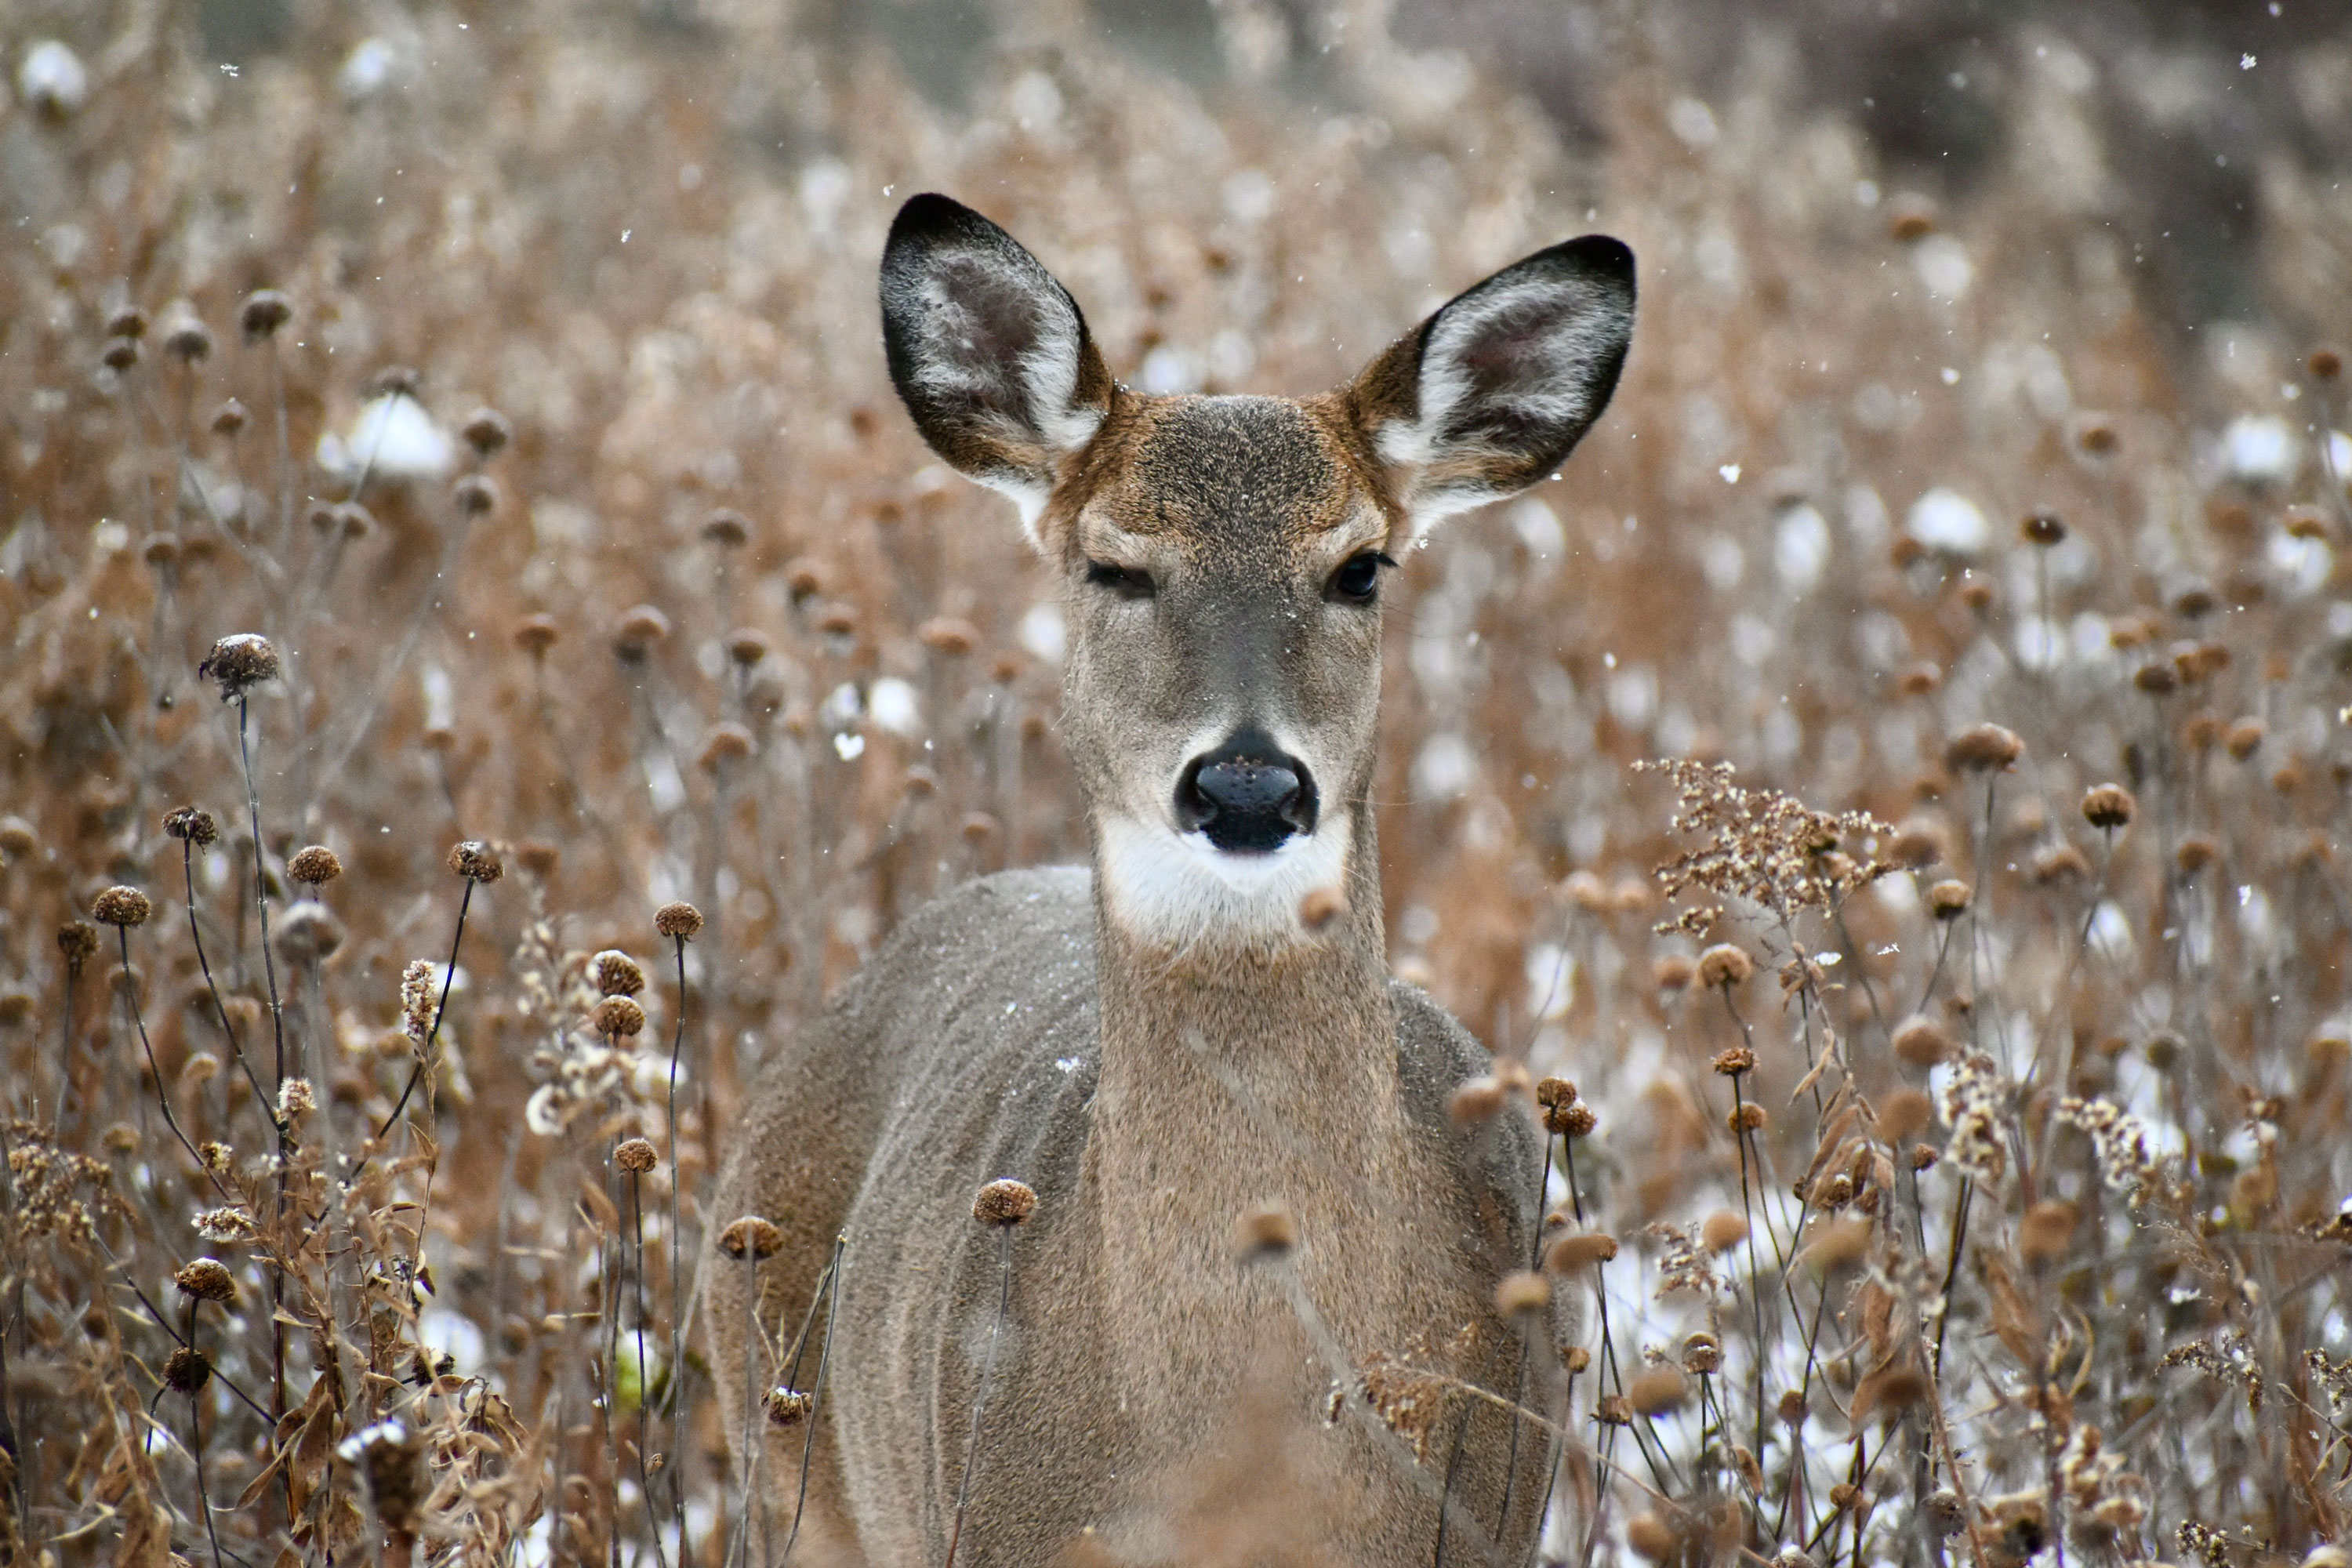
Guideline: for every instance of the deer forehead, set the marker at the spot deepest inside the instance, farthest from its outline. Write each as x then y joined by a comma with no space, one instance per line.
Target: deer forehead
1266,484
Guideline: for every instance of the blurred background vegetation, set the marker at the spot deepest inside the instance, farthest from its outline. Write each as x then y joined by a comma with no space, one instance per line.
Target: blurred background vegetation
720,630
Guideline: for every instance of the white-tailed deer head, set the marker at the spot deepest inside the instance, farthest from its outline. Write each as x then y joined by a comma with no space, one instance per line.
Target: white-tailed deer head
1221,556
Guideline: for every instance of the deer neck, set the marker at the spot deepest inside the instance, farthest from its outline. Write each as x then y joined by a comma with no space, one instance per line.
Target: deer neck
1229,1080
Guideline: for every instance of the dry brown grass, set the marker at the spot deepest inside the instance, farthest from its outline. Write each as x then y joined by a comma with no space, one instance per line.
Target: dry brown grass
716,629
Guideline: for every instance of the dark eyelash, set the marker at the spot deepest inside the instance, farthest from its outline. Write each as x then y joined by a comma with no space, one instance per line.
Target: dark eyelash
1124,581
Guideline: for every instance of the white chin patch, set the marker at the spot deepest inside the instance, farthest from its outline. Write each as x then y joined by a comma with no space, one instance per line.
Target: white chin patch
1177,889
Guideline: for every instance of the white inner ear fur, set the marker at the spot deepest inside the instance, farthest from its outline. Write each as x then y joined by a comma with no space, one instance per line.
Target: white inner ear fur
1045,377
1569,326
1177,890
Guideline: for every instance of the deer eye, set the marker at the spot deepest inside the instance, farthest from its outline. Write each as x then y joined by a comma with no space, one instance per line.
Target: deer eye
1125,581
1357,580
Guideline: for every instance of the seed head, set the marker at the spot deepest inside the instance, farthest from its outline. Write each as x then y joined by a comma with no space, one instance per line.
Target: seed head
130,321
264,311
396,380
1725,964
1577,1119
186,1370
120,906
1903,1114
2157,679
617,973
1321,908
1948,899
1702,1353
2108,806
1673,972
1571,1253
1745,1117
951,637
215,1225
746,646
1522,1291
787,1407
1655,1389
640,628
1476,1103
238,664
206,1279
1005,1202
486,430
680,921
751,1237
476,495
78,940
119,354
477,861
353,520
1983,748
727,528
1555,1097
2196,852
1910,218
726,745
635,1156
229,418
1735,1061
314,865
619,1016
1722,1231
191,825
2243,738
2326,364
1268,1231
535,635
2043,529
296,1097
1612,1411
186,339
2060,862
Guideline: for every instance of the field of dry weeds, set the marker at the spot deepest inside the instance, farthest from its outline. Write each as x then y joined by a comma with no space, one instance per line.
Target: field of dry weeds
1958,1168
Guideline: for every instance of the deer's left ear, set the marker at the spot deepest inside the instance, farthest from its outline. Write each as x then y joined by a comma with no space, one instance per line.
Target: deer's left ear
1492,392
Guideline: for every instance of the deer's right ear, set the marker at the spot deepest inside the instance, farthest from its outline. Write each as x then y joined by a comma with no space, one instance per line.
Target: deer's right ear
989,352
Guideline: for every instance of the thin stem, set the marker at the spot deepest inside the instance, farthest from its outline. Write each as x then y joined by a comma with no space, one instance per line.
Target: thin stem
261,901
817,1390
197,1448
987,1373
66,1043
220,1008
162,1095
676,1281
645,1403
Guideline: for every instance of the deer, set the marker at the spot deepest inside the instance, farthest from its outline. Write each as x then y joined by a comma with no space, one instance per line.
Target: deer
1198,1023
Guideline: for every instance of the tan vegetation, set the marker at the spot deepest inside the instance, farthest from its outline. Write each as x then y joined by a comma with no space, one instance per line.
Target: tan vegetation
1955,1167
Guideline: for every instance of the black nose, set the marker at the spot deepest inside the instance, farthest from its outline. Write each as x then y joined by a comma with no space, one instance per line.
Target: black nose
1247,796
